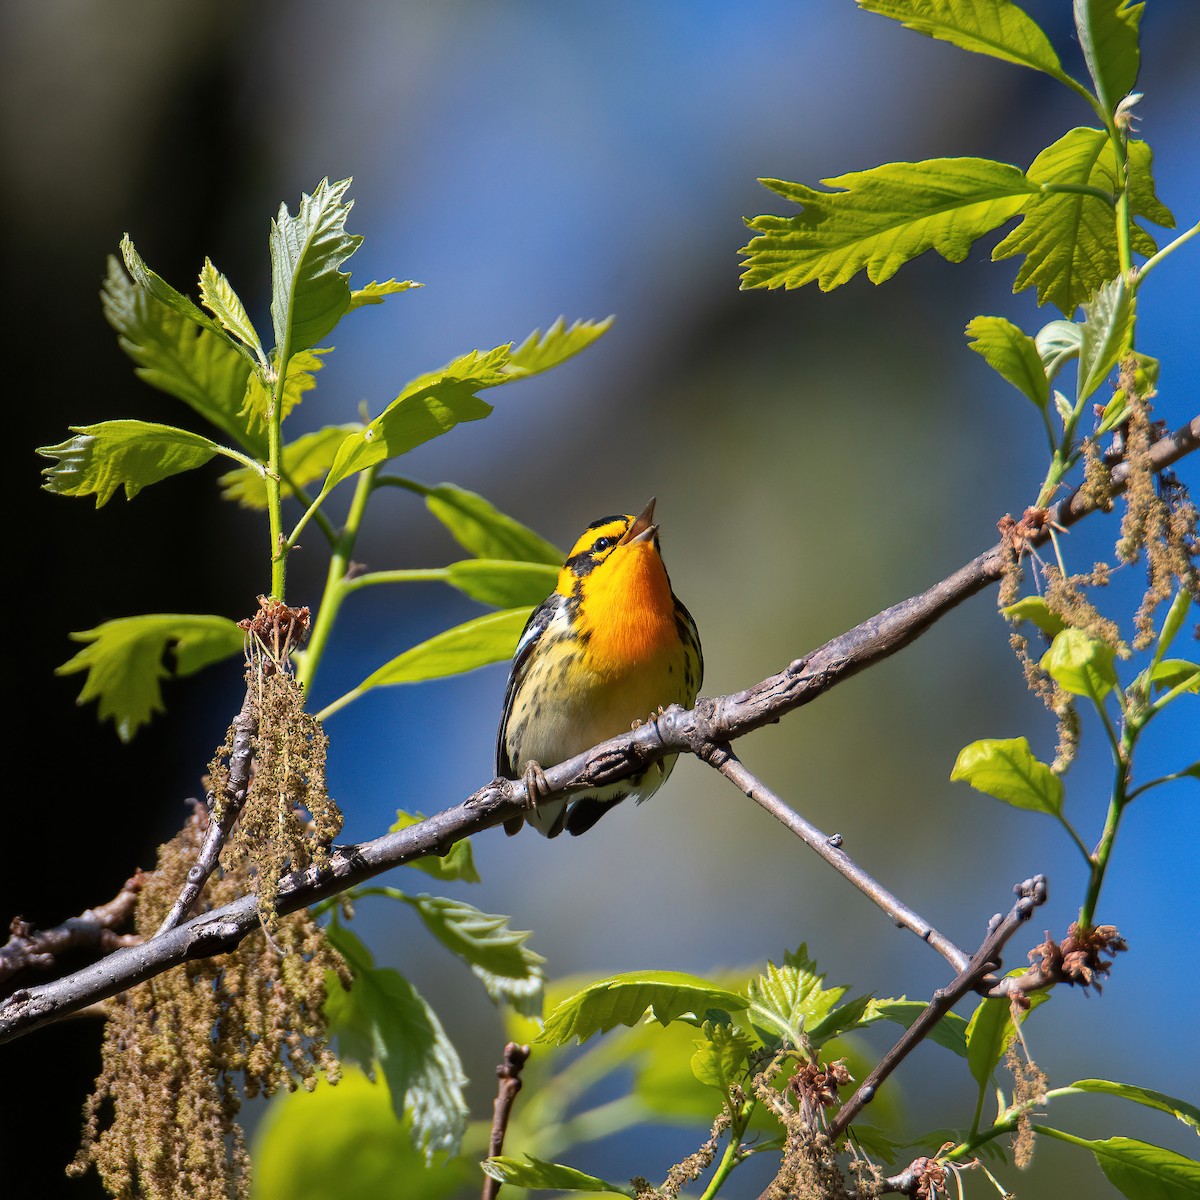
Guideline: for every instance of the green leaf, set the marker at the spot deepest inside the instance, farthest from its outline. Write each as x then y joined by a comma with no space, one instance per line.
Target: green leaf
303,461
791,999
1035,610
1080,664
309,291
509,970
457,863
123,659
1106,332
99,459
625,999
1173,622
950,1031
483,530
840,1020
1189,1114
541,351
503,584
475,643
1176,672
1108,36
721,1056
1013,353
301,377
1006,769
1069,239
384,1022
218,296
345,1141
533,1172
881,219
1058,343
997,28
991,1031
202,368
1145,1172
410,420
376,293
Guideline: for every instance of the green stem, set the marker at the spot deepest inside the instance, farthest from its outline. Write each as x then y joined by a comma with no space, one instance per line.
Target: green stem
1168,249
733,1152
1080,189
336,584
401,575
1116,806
274,498
1187,772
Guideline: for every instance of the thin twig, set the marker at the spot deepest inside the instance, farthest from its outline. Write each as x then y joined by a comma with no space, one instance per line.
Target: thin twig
728,764
509,1073
223,814
697,731
984,962
39,949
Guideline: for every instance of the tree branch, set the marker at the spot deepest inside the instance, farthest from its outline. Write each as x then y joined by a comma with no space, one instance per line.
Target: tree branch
509,1072
712,723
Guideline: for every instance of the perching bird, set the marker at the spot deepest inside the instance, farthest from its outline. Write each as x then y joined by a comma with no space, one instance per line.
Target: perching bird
609,648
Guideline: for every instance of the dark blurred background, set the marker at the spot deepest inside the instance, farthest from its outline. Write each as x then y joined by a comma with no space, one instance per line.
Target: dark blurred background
815,458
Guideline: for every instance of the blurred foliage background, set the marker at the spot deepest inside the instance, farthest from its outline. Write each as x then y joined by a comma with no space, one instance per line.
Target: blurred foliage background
815,459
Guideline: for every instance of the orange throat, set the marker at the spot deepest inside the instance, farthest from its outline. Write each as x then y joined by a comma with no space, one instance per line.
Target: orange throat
628,611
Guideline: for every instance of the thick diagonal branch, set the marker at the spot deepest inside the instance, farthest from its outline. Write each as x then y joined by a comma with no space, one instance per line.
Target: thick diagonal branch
697,731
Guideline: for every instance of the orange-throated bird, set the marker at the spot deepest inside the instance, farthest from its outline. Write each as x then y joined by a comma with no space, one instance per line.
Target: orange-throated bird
610,647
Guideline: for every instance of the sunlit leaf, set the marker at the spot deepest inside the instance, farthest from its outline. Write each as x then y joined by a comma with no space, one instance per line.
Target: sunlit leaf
457,863
218,296
303,461
530,1172
625,1000
1182,1110
997,28
102,458
991,1030
1142,1171
375,292
788,1001
478,526
309,290
503,584
880,219
950,1030
1080,664
1006,769
301,377
1108,36
124,661
1035,610
1176,672
721,1056
1104,335
541,351
1012,353
384,1023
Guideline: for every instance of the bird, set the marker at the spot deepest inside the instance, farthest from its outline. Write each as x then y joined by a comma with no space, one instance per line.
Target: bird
609,648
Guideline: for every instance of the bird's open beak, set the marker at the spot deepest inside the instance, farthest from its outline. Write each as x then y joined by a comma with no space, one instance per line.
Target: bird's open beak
643,528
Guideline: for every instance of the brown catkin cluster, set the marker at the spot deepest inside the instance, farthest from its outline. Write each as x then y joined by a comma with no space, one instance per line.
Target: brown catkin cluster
1159,521
1029,1091
181,1049
1058,701
1065,598
288,821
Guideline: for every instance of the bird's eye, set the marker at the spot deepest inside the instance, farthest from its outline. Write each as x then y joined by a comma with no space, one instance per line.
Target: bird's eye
603,543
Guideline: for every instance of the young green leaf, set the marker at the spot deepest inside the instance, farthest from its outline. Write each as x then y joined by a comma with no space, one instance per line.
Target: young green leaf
1013,354
1189,1114
531,1172
218,296
1174,673
721,1056
1108,36
303,461
496,953
880,219
503,584
123,659
1081,664
344,1141
1058,343
1006,769
791,1000
99,459
541,351
309,291
376,293
457,863
481,528
1105,335
1035,610
1068,237
475,643
410,420
990,1032
625,999
1173,622
301,377
994,27
202,368
383,1022
1143,1171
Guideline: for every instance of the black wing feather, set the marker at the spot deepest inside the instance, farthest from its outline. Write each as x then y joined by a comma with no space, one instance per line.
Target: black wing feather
535,627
